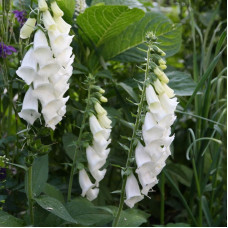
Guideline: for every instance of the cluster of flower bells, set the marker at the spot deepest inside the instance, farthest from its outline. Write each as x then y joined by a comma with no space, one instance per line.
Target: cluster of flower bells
97,154
156,131
46,68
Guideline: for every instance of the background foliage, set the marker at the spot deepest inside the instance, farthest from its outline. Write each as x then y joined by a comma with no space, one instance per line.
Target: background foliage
192,187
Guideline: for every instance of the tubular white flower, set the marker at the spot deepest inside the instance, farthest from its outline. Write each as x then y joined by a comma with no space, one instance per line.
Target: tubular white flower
49,22
155,150
56,10
28,68
100,144
62,26
53,122
152,134
40,81
98,175
92,194
64,57
158,86
29,110
42,5
42,51
104,121
168,90
168,104
167,120
132,191
84,182
51,67
27,28
99,109
95,161
141,156
152,100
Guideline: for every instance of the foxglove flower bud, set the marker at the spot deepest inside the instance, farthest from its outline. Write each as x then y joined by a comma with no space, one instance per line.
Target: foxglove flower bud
132,191
49,22
29,110
168,90
99,109
158,86
104,121
152,100
56,10
27,28
62,26
42,5
103,99
161,75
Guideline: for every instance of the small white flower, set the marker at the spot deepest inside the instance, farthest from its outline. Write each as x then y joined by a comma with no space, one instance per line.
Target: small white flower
27,28
42,50
155,150
40,81
161,75
152,100
85,182
95,161
53,122
42,5
168,90
132,191
51,67
49,22
29,110
141,156
92,194
64,57
99,109
100,144
62,26
28,69
152,134
169,105
56,10
158,86
98,175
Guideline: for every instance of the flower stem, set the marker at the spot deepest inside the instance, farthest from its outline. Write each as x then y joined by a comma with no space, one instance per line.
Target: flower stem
78,143
137,122
30,195
162,212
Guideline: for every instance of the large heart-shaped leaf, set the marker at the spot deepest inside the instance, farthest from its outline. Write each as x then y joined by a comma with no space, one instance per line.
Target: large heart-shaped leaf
101,23
7,220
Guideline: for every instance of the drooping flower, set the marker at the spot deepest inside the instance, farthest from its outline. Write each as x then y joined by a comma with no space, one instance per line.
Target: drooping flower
42,5
27,28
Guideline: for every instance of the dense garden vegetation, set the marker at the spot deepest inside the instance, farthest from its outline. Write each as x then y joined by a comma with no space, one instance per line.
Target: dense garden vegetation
120,48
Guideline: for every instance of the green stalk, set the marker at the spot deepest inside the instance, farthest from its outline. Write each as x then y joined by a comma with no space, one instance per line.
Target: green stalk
30,195
162,189
78,143
137,121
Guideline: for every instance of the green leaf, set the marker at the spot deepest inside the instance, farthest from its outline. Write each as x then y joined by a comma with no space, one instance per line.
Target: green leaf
129,3
55,207
180,224
52,191
181,173
68,140
39,175
206,211
129,90
182,83
68,7
101,23
132,218
7,220
169,36
87,214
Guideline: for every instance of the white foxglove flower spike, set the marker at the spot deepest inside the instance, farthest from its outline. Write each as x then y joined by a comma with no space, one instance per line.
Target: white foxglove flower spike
29,110
132,191
28,68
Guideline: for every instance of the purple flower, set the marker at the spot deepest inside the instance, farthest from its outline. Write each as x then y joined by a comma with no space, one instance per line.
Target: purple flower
20,16
2,174
6,50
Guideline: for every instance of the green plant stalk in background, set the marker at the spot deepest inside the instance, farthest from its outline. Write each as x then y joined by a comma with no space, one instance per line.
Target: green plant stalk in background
30,195
78,142
130,152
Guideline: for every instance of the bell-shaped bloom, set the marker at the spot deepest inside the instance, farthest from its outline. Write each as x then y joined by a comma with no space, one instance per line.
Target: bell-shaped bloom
53,122
152,100
62,26
132,191
158,86
98,175
40,81
42,50
27,28
141,156
64,56
95,161
44,93
84,182
60,89
49,22
29,110
152,134
56,10
99,109
168,104
161,75
104,121
42,5
149,121
168,90
100,144
167,120
51,67
28,69
155,150
96,128
62,111
92,194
